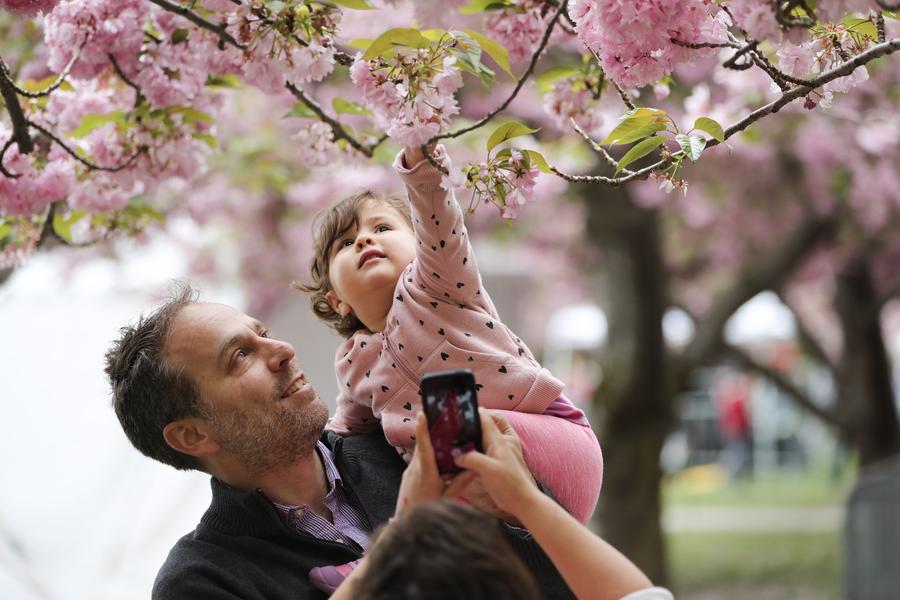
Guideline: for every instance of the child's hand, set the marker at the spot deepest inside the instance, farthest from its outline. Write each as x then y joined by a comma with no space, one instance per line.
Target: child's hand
421,481
412,155
501,469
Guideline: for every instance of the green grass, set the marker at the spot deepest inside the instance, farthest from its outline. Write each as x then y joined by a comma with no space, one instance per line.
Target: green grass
812,488
760,565
724,562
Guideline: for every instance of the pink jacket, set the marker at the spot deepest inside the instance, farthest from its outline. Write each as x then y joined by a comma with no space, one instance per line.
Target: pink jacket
441,319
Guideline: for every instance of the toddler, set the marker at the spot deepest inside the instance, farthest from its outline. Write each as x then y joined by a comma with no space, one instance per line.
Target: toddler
403,287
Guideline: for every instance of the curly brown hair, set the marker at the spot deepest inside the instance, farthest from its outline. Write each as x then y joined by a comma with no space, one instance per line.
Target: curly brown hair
328,226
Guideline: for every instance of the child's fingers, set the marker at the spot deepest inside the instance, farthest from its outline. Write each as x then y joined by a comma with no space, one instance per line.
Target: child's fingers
424,449
476,461
489,430
502,423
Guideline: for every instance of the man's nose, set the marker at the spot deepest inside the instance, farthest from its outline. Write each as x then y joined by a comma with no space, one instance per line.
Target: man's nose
280,354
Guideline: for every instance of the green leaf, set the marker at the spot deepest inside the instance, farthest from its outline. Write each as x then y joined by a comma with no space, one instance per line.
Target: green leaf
275,6
692,145
191,115
37,86
494,49
411,38
480,6
861,27
640,151
546,79
633,129
62,225
343,107
90,123
360,43
538,159
179,36
300,111
711,127
209,140
229,81
357,4
507,131
433,34
5,228
892,14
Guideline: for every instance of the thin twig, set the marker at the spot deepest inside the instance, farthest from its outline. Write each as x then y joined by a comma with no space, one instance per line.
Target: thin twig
888,6
3,171
84,161
879,27
597,147
336,128
519,84
700,45
783,15
613,181
138,94
59,79
219,30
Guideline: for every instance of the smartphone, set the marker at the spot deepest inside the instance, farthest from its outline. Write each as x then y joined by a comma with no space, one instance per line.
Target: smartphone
451,408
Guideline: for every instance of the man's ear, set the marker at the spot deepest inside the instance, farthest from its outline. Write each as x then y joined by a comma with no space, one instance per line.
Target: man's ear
190,436
337,305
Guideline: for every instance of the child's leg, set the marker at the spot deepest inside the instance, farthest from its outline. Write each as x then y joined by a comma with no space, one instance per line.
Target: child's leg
564,456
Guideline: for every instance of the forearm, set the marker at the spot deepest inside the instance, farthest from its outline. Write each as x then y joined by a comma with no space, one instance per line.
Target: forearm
582,558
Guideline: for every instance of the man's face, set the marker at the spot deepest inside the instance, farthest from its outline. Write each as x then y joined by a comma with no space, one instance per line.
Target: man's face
258,406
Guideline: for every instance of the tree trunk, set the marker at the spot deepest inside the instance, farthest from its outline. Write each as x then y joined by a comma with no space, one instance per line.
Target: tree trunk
633,407
866,394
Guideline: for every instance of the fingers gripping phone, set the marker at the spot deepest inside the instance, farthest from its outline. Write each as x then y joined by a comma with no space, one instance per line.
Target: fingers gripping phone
451,408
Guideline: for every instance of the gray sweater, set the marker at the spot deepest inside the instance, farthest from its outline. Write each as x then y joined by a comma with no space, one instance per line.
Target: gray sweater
244,549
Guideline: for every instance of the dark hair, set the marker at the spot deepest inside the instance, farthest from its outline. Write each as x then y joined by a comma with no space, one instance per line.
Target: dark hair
328,227
444,551
148,393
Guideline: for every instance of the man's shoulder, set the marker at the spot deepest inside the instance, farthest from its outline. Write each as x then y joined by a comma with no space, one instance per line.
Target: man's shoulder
197,567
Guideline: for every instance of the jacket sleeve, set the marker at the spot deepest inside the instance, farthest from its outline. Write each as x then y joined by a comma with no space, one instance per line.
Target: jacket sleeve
353,414
445,263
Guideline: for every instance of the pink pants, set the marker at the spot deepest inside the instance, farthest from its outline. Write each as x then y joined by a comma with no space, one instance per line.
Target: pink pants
564,456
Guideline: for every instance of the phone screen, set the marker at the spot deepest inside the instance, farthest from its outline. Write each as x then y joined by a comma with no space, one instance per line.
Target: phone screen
451,407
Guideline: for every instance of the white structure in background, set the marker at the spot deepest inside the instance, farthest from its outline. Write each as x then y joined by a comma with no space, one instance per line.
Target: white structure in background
82,514
763,318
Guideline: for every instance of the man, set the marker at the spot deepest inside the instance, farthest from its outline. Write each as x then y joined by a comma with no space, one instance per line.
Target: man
202,386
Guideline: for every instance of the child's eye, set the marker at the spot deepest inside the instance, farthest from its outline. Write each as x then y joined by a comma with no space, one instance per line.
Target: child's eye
382,228
345,243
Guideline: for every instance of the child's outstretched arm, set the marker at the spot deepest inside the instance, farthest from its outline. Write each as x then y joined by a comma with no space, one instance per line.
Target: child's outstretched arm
591,567
445,262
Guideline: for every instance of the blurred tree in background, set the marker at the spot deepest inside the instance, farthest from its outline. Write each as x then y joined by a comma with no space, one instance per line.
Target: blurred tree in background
646,155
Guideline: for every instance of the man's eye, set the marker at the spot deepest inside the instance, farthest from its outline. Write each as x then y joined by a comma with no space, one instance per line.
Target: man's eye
241,353
264,333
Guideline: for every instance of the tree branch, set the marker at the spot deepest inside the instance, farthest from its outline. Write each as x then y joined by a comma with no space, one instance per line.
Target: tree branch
219,30
60,79
613,181
84,161
808,341
768,272
782,382
783,14
16,115
519,84
787,97
597,147
887,5
336,128
138,94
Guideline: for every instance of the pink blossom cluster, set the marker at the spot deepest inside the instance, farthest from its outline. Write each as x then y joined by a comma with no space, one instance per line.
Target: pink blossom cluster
506,181
28,8
315,143
519,28
411,95
274,53
633,38
36,187
576,97
111,27
831,48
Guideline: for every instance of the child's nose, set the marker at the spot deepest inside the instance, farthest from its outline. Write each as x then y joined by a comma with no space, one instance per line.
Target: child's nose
364,240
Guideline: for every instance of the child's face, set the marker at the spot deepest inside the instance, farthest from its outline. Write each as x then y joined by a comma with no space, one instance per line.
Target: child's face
368,259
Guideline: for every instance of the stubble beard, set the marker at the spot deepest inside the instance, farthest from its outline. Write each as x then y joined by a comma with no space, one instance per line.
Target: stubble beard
270,438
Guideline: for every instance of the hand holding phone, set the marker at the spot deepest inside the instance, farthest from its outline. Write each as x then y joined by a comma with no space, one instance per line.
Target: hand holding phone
450,402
